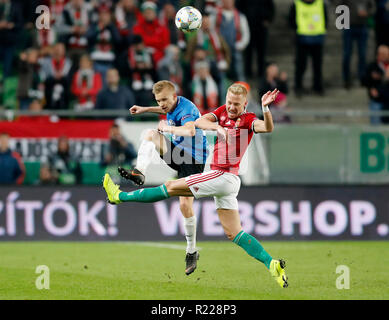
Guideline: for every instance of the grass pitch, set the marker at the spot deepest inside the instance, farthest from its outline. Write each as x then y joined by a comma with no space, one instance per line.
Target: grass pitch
155,271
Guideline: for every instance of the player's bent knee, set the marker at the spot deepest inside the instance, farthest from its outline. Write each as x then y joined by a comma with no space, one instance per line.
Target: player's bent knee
178,188
170,186
151,135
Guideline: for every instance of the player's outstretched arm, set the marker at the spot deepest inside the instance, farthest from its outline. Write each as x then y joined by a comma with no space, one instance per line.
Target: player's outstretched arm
136,110
208,122
187,130
266,125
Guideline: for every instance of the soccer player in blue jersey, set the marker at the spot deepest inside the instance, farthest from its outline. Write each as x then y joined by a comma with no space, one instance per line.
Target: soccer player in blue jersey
186,152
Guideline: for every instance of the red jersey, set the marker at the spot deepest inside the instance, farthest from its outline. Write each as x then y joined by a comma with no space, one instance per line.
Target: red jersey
227,156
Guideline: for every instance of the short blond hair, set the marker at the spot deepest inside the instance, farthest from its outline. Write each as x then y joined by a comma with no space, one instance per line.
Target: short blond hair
164,84
238,89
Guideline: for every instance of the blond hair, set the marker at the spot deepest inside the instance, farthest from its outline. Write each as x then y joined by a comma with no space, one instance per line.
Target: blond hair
238,89
164,84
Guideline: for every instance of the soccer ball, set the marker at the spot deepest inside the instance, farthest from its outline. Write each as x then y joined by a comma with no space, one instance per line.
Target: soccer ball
188,19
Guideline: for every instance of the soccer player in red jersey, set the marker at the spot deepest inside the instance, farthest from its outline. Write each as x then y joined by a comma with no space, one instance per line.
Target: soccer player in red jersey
235,129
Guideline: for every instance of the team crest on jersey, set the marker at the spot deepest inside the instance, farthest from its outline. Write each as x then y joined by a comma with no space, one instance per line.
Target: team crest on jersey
185,117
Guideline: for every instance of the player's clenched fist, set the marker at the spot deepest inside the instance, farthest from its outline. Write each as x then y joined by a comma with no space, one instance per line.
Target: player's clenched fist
222,133
137,110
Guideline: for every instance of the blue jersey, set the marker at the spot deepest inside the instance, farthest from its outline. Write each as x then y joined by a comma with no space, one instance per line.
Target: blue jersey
196,146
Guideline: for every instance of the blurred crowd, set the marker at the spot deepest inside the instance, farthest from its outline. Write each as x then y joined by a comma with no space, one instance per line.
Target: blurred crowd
96,51
107,54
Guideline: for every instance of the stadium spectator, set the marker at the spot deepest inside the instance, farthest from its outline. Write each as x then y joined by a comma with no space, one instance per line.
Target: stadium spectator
234,28
382,22
374,80
11,21
29,84
126,17
274,79
28,11
55,72
114,96
120,152
154,35
260,14
309,19
43,38
360,12
103,39
141,64
142,70
170,67
204,88
12,169
46,176
86,84
210,39
216,48
56,8
167,18
73,26
65,165
210,6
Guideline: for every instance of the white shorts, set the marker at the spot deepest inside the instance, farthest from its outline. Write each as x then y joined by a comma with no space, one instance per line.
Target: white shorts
223,186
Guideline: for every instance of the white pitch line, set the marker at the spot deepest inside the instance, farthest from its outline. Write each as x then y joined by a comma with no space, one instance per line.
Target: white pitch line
157,245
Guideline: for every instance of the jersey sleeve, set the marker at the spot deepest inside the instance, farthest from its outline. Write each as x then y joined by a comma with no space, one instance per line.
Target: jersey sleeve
188,115
217,113
249,122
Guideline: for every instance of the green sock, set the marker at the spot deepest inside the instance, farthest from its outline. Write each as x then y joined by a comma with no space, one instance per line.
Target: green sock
253,248
145,195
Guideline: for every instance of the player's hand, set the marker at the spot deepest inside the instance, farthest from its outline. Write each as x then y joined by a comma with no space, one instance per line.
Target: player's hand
269,97
222,133
136,110
162,126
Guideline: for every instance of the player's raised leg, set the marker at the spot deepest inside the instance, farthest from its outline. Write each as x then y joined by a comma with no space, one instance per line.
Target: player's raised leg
190,223
230,222
153,141
148,195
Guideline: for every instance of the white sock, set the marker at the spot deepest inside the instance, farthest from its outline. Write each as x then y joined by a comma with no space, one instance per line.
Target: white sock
190,234
145,154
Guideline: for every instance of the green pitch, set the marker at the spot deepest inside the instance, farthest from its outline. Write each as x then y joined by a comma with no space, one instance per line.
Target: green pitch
154,271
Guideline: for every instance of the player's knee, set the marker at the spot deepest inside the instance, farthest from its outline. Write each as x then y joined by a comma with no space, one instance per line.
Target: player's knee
151,135
169,186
